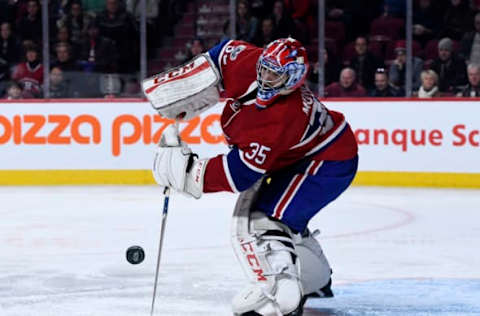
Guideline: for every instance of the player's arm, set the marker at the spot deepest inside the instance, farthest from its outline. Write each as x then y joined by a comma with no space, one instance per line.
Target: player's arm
232,172
175,166
246,163
235,61
217,52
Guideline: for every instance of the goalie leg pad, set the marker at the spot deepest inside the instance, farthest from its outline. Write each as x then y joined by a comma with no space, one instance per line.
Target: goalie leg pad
265,250
315,271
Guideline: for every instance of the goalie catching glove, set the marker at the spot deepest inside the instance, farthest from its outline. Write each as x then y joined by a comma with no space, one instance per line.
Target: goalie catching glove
175,165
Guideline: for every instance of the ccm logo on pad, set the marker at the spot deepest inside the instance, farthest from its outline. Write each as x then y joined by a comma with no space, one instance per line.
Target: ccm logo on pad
252,260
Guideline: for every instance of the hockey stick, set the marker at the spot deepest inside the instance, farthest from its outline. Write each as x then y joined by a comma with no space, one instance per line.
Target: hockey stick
166,193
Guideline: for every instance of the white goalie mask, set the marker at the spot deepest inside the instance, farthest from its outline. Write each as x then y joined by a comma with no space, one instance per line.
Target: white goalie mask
282,68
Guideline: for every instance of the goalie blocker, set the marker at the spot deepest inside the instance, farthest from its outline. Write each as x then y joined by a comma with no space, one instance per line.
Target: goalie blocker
185,91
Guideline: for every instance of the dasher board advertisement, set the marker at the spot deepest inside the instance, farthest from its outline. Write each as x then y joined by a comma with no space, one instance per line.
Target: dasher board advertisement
397,138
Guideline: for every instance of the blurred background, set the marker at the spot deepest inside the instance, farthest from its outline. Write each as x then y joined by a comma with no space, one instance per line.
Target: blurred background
104,48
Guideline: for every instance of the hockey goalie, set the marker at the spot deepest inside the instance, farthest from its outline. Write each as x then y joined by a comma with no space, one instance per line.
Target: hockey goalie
289,157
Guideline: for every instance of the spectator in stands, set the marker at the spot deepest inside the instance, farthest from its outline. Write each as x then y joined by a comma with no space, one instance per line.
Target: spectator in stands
331,71
450,68
9,44
88,86
9,53
260,8
457,21
76,22
395,8
59,86
97,53
64,60
284,24
8,11
56,11
18,9
29,74
131,89
300,9
364,63
335,10
301,13
475,5
383,88
426,21
14,91
389,26
30,26
470,45
152,6
429,87
63,37
355,15
397,71
110,85
94,6
267,33
119,26
4,74
196,47
346,87
247,24
472,89
133,7
170,12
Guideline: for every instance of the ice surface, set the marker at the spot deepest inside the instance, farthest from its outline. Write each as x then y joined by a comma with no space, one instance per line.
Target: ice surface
393,251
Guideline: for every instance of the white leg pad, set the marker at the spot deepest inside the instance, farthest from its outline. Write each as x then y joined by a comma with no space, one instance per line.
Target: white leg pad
265,250
315,270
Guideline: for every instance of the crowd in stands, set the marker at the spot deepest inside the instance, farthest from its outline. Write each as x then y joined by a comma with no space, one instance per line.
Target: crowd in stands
94,44
365,43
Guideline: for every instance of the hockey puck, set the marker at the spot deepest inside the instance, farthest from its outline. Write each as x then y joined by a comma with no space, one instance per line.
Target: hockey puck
135,254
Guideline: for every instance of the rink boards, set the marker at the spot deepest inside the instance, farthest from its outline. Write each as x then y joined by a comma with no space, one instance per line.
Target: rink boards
401,142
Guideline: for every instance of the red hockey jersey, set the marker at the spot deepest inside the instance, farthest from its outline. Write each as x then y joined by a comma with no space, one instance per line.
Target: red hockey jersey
30,78
296,127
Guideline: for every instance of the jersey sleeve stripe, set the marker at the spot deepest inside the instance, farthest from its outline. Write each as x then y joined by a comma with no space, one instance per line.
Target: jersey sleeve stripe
313,112
329,140
228,175
316,167
243,176
315,127
317,122
216,53
314,133
249,165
